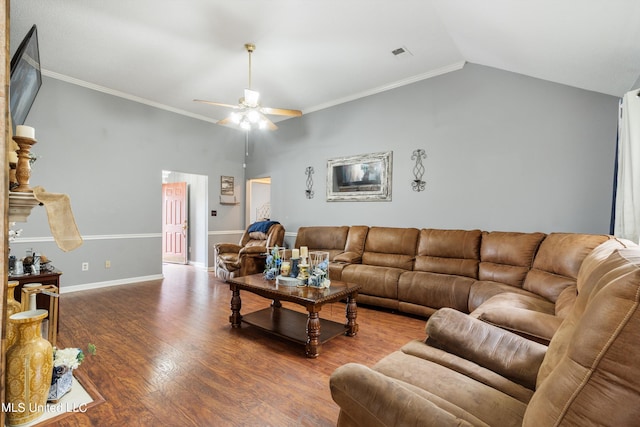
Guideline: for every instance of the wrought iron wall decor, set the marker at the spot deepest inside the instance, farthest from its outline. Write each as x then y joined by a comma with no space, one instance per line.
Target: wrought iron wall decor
418,170
309,191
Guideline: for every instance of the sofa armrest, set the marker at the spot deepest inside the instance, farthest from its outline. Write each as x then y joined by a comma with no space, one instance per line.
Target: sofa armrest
501,351
222,248
253,250
348,257
530,324
369,398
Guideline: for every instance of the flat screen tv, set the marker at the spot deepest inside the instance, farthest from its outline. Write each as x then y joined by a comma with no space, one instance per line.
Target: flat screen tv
26,78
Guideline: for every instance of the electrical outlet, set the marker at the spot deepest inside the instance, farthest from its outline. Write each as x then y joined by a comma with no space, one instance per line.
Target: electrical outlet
85,266
107,264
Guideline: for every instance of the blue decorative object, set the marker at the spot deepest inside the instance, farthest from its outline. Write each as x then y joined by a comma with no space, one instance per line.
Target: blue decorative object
272,263
61,383
318,273
294,267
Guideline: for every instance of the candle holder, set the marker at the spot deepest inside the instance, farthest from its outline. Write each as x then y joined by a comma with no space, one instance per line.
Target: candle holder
303,273
294,267
12,176
23,167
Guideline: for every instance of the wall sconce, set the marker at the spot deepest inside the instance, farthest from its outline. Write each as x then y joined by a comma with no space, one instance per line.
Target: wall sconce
309,191
418,170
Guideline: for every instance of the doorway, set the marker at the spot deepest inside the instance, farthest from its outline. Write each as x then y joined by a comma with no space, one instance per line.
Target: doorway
258,199
175,211
197,226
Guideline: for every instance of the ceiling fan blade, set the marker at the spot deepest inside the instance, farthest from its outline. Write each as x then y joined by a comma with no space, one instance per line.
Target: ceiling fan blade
219,104
269,124
226,121
281,112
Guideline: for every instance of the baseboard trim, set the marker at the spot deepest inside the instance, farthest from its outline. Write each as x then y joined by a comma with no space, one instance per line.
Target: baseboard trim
98,285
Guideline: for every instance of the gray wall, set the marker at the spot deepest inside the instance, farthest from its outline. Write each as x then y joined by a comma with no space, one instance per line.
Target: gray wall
636,85
505,152
107,154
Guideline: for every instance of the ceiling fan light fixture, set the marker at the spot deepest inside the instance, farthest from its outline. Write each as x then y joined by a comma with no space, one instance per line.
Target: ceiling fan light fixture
235,117
245,125
251,97
253,116
249,114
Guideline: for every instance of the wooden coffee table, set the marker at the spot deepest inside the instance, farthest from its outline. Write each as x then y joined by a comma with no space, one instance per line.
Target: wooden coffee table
305,329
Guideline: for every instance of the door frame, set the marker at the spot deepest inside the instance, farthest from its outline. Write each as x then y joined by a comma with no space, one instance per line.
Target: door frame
252,203
198,201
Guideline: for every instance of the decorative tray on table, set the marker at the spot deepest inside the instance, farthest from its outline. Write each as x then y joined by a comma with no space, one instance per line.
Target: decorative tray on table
287,281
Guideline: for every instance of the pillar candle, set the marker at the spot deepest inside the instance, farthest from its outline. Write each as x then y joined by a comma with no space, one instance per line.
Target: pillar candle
13,157
295,253
304,251
26,131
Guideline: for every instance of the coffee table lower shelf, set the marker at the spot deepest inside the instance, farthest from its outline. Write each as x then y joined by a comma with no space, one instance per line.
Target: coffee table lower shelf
291,324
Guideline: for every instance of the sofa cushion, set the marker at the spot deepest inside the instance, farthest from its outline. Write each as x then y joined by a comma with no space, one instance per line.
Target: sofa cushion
391,247
458,391
511,356
454,252
506,257
576,382
375,280
565,301
332,239
418,348
526,315
434,290
558,261
364,396
356,239
482,290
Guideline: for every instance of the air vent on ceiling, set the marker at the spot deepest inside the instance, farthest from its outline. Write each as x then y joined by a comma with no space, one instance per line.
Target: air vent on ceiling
401,51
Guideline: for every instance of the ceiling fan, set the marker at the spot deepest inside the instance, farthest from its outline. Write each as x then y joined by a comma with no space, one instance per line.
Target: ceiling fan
249,114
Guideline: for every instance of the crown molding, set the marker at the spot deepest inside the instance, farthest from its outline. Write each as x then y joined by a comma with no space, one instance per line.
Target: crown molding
124,95
433,73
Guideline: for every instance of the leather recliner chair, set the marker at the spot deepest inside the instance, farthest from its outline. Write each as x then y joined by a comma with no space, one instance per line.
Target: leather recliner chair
247,257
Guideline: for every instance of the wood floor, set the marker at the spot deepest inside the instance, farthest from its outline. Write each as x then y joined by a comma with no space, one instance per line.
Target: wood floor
168,356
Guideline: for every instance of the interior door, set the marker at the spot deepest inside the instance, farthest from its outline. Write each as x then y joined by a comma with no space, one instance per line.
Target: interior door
174,222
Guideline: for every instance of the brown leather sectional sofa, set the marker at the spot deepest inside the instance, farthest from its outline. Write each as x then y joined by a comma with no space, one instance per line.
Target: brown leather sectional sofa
472,373
524,329
524,282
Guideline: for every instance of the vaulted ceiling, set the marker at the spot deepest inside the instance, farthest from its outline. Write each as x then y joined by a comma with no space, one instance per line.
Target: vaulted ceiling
314,54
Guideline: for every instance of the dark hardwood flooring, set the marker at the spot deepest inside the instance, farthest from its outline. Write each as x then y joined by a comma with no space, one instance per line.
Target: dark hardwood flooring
167,356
